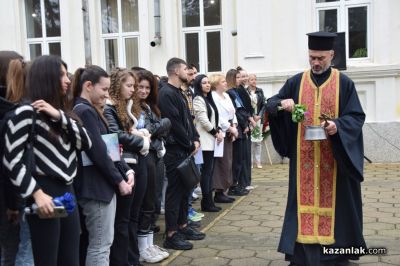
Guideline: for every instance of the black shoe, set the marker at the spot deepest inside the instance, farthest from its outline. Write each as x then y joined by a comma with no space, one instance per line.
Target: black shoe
210,209
191,234
177,241
237,191
221,198
194,224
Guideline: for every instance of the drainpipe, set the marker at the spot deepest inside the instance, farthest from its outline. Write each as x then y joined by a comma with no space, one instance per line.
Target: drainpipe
86,32
157,22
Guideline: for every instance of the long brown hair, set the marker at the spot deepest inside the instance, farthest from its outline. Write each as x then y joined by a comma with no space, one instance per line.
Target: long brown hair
118,77
152,99
231,78
16,80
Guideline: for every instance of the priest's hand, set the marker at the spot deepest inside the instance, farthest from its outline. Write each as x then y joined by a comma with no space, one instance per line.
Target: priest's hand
331,128
287,105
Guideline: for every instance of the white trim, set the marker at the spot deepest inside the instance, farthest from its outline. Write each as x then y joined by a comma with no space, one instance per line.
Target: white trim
44,40
202,31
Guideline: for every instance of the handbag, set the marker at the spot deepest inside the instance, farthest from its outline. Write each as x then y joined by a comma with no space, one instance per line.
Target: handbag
188,173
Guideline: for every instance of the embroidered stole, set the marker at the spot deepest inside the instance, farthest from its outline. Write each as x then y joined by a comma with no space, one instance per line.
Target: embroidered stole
316,166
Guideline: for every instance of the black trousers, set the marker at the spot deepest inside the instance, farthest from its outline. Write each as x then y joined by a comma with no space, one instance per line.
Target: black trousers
176,198
238,162
140,189
119,248
149,201
207,169
55,241
247,162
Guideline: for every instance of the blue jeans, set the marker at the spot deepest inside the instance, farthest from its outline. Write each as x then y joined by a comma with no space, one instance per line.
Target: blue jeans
99,221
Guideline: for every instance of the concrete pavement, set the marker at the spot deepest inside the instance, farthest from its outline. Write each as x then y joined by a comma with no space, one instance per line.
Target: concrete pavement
247,232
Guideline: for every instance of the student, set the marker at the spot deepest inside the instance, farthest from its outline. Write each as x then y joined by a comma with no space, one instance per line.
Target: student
58,138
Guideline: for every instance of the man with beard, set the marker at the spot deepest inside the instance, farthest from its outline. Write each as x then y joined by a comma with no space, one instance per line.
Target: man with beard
182,141
324,208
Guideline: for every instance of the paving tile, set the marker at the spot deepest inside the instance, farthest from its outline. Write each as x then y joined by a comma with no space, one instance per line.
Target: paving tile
237,253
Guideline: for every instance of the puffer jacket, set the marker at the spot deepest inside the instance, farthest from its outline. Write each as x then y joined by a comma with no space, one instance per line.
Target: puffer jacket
131,144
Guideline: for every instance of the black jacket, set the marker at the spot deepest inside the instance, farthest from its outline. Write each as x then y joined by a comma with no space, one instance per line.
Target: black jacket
260,102
130,143
158,128
97,181
174,106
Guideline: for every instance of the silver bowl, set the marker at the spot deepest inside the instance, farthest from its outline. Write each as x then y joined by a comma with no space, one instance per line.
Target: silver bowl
314,133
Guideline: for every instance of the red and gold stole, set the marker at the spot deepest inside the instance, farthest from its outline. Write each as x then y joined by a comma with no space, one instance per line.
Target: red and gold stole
316,166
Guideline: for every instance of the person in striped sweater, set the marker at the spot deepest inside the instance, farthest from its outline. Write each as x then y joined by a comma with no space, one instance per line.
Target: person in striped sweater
56,141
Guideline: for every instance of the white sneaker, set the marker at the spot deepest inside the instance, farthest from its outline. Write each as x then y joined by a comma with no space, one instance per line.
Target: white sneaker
149,255
195,196
197,190
157,250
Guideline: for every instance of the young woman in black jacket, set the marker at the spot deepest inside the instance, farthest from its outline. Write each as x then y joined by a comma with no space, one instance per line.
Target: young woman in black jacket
97,185
135,146
145,108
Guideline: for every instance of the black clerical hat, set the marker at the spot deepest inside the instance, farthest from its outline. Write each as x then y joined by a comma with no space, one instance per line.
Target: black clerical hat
321,41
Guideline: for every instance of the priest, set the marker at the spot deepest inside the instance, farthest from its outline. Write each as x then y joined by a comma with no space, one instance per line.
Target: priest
324,208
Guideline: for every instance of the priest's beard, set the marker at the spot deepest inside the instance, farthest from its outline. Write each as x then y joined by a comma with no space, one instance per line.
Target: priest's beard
318,70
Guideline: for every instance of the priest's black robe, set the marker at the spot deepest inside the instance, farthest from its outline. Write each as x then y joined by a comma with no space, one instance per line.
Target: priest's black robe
347,146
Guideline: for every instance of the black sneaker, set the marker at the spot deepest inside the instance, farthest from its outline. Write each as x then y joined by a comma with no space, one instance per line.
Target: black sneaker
177,241
194,224
191,234
237,191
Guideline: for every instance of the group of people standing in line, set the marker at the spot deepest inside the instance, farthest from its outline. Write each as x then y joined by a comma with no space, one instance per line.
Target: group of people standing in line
158,123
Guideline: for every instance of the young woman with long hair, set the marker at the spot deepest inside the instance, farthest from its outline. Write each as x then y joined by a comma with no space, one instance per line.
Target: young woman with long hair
57,139
145,109
206,121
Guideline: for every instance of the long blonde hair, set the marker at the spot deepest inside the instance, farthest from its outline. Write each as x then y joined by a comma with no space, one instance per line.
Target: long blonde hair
118,77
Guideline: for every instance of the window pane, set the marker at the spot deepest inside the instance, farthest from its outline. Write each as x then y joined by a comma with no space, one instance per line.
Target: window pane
192,49
111,49
35,50
109,16
214,51
212,12
33,19
328,20
358,32
52,16
130,19
55,48
190,13
326,1
131,52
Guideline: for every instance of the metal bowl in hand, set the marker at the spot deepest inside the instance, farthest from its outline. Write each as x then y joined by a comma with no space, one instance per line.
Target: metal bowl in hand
314,133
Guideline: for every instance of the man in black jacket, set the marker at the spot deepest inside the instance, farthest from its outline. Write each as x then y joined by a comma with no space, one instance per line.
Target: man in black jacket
182,141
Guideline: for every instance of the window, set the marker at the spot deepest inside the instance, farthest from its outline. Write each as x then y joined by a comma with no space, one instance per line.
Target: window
120,33
43,27
202,29
351,17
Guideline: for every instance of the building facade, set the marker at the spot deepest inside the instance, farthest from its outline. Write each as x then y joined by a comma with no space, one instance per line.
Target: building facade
265,37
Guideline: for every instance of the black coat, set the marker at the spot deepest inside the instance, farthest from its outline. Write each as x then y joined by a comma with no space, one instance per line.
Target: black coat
97,181
173,106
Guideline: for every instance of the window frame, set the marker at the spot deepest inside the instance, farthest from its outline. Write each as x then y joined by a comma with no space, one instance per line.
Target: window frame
202,31
342,7
120,36
44,41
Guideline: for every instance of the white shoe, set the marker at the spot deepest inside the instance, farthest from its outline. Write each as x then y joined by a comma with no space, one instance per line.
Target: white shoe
150,255
197,190
157,250
195,196
249,187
